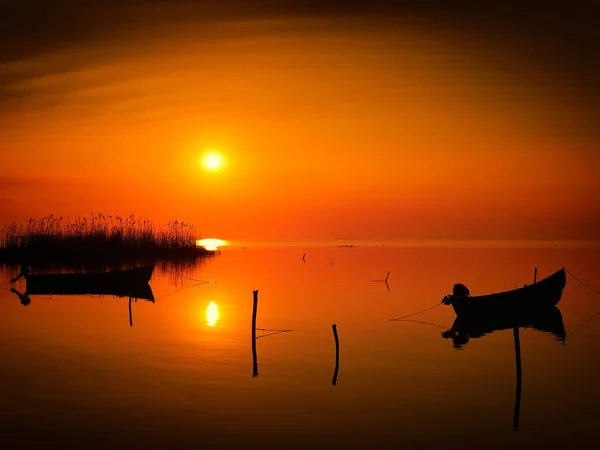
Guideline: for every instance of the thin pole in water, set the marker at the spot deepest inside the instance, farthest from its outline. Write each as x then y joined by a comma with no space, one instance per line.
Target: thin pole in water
130,314
254,358
337,355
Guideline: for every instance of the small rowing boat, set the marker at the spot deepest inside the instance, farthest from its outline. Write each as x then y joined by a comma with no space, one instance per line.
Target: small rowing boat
541,295
121,283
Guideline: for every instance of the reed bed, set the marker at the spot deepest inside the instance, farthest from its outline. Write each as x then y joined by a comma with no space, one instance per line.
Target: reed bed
97,239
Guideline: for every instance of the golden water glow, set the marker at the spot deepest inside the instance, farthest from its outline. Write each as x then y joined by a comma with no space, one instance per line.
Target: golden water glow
212,161
211,243
212,314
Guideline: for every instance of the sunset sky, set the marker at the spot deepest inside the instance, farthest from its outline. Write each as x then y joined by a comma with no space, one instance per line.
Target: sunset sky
377,119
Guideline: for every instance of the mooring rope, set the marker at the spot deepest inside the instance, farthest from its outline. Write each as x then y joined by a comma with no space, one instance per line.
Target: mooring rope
581,326
188,277
418,312
269,329
180,289
424,323
582,282
271,334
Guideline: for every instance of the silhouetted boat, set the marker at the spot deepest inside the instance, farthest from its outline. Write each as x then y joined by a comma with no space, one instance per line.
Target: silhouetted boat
548,320
541,295
121,283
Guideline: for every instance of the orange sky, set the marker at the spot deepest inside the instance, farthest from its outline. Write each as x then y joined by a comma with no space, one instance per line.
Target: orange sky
332,123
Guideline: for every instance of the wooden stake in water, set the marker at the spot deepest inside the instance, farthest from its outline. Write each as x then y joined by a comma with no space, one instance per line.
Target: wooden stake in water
534,275
337,354
130,314
254,358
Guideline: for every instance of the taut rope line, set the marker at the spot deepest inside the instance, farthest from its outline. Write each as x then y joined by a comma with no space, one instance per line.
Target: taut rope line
582,282
419,312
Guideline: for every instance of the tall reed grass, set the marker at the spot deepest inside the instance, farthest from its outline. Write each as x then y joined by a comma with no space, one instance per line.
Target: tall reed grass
98,237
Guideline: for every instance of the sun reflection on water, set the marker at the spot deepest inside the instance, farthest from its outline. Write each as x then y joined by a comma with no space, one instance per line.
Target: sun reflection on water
212,314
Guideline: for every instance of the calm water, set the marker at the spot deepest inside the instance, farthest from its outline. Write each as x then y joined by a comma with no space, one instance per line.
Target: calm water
75,374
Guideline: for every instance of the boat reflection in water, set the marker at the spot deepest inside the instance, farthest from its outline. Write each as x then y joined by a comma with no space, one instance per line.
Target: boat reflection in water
464,329
131,283
548,320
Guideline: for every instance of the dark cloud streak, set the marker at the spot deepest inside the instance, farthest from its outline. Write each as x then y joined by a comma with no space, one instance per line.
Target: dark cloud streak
30,26
563,33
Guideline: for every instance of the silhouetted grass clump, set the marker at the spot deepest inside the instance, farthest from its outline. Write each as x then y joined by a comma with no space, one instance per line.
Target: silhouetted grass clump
98,239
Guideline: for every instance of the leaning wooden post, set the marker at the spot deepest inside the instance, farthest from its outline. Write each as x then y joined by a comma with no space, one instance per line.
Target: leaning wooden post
534,275
130,314
254,358
337,354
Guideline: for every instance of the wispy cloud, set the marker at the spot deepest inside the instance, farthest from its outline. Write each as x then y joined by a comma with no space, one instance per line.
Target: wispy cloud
44,45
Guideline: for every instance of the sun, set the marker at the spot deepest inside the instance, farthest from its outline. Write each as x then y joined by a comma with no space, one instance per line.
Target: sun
211,244
212,161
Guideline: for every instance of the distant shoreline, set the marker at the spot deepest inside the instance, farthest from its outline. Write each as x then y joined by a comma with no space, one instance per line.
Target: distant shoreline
428,243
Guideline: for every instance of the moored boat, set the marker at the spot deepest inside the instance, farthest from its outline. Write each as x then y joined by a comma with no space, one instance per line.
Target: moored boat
541,295
121,283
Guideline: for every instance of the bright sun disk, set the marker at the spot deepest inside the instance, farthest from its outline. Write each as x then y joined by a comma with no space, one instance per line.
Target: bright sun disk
212,161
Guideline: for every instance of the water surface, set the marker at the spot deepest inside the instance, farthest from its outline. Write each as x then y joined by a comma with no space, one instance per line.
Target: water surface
76,374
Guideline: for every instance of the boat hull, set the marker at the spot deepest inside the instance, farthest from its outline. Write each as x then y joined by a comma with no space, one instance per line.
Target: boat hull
121,283
538,296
